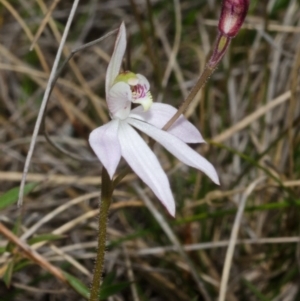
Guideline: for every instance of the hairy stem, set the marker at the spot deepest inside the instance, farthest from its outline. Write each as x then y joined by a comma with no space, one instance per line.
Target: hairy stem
106,194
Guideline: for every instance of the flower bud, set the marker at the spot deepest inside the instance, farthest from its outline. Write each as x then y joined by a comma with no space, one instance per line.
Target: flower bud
232,16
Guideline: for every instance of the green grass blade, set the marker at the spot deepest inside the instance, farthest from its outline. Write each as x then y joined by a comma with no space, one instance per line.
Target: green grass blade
12,195
259,296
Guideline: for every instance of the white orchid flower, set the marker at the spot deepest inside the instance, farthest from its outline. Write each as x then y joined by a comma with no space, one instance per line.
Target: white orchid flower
118,138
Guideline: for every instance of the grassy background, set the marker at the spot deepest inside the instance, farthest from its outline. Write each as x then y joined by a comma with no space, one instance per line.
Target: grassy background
248,113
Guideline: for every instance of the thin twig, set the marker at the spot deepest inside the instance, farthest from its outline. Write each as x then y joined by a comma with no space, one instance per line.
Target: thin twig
33,255
44,101
252,117
43,23
28,33
72,53
149,48
218,244
172,237
178,30
135,296
233,238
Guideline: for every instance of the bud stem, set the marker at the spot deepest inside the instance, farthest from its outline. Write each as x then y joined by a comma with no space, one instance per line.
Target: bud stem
232,17
219,50
200,83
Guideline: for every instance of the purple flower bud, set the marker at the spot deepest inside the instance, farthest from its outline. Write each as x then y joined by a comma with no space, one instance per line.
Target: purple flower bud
232,16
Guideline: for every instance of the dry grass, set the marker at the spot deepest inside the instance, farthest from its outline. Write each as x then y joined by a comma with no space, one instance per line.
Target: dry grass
246,231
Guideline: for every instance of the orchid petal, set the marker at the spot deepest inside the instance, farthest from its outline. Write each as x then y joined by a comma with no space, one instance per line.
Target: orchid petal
178,148
104,142
119,100
145,164
143,81
115,62
159,114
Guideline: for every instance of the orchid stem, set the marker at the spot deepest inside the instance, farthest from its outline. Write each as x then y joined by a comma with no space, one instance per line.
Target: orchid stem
106,194
200,83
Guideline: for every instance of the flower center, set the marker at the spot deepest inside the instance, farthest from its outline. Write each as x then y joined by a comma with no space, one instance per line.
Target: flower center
139,87
138,91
